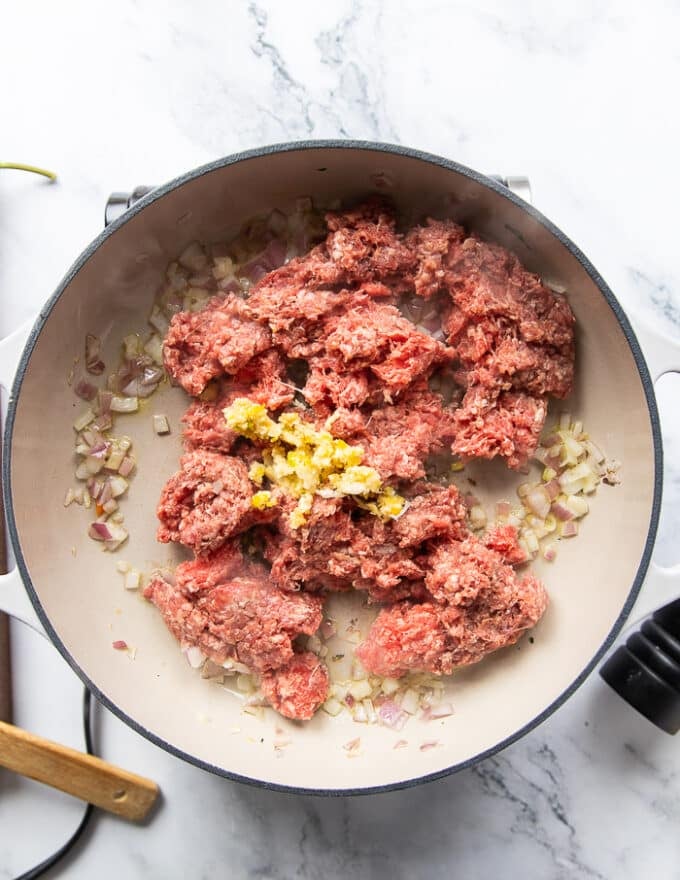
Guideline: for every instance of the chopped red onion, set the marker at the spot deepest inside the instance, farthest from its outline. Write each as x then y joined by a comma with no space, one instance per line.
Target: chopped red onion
86,390
151,376
119,645
392,715
254,271
432,713
104,401
100,531
93,362
118,535
229,285
126,466
430,744
137,388
104,422
274,255
549,553
553,488
99,450
569,529
561,512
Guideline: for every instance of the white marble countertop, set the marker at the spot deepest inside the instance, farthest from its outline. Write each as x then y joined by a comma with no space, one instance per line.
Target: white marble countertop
578,96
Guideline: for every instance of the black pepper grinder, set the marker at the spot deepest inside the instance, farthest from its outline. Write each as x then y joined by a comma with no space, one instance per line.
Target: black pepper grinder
645,671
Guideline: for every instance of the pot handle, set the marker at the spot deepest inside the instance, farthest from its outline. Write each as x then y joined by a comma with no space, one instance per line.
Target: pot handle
15,602
645,670
13,597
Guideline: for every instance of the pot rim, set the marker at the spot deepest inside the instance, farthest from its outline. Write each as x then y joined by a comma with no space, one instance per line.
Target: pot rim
335,144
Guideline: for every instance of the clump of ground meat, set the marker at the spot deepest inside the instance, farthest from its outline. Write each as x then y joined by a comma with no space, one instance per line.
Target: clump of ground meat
298,688
262,380
508,424
397,438
372,377
243,618
477,605
407,636
509,333
207,502
220,339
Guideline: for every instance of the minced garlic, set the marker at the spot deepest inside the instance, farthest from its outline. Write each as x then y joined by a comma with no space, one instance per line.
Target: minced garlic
262,500
305,462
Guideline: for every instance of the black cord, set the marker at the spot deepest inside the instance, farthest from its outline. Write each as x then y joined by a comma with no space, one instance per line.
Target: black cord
52,860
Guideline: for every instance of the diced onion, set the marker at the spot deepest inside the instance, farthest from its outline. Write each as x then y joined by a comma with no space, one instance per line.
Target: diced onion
577,505
85,390
118,535
441,711
161,424
132,346
410,702
360,689
118,485
391,715
569,529
100,531
126,466
154,348
93,362
538,501
124,404
549,552
562,513
332,707
193,257
195,657
390,686
83,420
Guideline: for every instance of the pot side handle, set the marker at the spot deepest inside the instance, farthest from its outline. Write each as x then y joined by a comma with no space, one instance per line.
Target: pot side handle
13,597
645,669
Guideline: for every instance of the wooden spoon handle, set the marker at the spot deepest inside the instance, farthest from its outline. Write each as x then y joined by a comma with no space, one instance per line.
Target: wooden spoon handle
84,776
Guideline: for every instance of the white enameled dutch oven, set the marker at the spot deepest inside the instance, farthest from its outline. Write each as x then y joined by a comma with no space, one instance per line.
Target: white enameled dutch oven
75,592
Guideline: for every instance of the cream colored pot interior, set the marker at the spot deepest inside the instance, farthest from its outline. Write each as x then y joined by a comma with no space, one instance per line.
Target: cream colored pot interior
82,595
